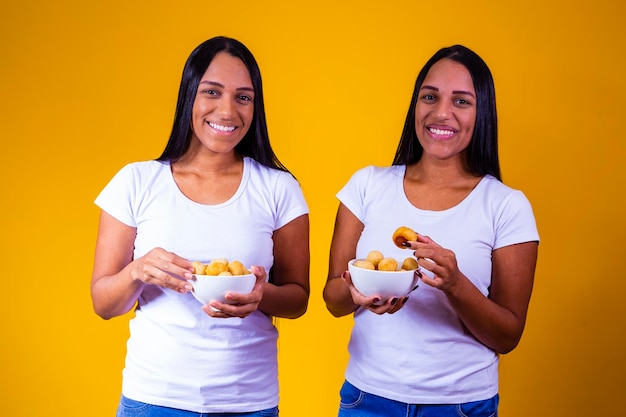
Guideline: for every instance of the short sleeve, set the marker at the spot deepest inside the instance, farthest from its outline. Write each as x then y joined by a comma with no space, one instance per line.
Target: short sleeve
290,201
516,223
117,197
352,194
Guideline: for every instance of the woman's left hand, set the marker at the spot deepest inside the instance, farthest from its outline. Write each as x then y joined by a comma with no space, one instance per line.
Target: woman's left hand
439,261
243,304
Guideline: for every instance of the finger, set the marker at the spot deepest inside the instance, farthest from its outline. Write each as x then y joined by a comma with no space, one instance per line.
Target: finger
174,264
383,308
175,269
214,312
399,304
426,266
235,298
362,300
229,310
426,279
425,239
165,279
259,272
347,277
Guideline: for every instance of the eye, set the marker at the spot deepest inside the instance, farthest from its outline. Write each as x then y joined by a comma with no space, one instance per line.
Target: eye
244,97
428,97
463,102
209,92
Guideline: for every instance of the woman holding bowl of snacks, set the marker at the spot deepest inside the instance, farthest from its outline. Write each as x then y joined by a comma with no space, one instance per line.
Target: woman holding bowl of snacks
434,351
218,191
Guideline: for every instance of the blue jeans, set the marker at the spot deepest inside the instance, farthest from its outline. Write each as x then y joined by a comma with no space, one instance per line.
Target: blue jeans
357,403
132,408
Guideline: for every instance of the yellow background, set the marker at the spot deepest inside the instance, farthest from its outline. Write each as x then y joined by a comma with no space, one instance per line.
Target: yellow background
87,87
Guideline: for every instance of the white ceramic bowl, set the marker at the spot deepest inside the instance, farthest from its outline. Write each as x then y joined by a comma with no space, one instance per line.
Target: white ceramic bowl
385,284
212,287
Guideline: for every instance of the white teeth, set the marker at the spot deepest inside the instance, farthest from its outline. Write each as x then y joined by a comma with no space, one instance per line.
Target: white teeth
222,128
441,131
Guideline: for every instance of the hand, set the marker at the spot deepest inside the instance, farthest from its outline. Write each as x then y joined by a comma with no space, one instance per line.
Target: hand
163,268
244,304
372,303
439,261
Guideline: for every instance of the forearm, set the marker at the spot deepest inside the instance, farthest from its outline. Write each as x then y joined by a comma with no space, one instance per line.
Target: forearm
338,298
115,295
337,295
491,324
289,300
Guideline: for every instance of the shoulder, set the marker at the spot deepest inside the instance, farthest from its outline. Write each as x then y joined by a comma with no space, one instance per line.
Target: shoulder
498,191
514,220
369,184
373,173
265,174
148,167
507,204
143,168
136,176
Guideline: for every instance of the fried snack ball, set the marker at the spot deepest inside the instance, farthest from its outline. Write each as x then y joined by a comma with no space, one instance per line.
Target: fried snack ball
409,264
402,235
387,264
225,274
220,266
237,268
198,267
374,257
215,267
364,264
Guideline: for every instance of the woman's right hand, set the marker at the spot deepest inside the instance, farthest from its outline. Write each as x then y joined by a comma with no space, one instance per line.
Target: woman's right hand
163,268
118,279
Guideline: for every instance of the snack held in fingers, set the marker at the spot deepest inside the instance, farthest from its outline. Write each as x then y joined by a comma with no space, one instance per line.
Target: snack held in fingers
402,235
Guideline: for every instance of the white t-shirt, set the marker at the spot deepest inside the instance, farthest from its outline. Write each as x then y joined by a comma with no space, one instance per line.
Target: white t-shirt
178,356
423,353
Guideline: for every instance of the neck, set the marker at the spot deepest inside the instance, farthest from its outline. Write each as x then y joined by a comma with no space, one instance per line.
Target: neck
208,162
438,172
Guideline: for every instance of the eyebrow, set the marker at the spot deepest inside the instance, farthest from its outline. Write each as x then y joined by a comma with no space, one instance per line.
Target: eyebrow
215,83
429,87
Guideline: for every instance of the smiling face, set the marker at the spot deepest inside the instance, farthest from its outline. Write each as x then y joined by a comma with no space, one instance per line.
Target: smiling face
445,112
224,106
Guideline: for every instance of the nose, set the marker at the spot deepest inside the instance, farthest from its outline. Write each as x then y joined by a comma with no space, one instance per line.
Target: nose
226,107
443,110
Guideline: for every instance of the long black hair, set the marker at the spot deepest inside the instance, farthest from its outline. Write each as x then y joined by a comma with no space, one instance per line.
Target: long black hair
255,144
482,152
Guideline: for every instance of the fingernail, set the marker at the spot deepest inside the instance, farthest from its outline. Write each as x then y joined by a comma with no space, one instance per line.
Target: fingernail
414,288
376,300
406,243
418,273
405,300
394,301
